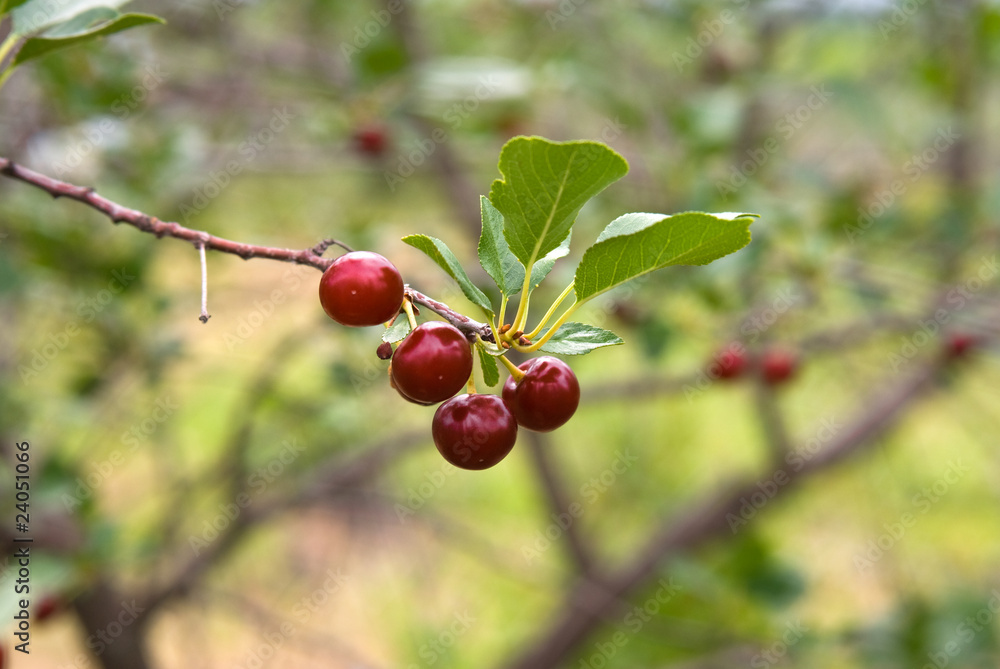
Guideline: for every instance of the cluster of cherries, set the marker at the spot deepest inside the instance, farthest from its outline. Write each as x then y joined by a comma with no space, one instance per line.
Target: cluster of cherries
777,365
774,365
433,363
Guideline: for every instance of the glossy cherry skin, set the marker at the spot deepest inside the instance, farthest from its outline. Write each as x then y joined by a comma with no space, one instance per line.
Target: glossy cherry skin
432,364
778,365
730,362
360,289
392,383
474,431
546,397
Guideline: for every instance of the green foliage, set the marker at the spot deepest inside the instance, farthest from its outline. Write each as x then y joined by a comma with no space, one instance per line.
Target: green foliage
80,29
544,186
636,244
443,256
397,331
527,225
491,372
494,254
8,5
578,339
45,26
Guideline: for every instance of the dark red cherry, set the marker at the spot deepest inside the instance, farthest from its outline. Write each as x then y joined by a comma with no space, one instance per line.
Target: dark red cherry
371,140
730,362
361,288
392,383
778,365
433,363
546,397
959,343
47,607
474,431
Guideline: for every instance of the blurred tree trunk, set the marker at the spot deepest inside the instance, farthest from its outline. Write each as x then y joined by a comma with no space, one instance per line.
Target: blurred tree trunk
113,627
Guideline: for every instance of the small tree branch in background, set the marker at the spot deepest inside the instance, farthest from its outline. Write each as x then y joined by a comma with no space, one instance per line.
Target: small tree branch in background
335,478
772,421
539,449
585,608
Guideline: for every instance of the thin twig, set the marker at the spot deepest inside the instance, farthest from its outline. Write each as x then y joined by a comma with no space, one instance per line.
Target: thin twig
204,285
146,223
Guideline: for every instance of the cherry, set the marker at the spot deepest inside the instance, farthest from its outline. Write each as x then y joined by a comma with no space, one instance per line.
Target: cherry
392,383
546,397
433,363
371,140
361,288
474,431
47,607
730,362
778,365
959,343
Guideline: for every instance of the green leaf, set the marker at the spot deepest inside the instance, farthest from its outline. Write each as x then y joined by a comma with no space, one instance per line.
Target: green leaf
39,46
37,16
579,339
8,5
491,374
545,265
635,244
82,23
544,186
442,255
494,253
496,258
397,331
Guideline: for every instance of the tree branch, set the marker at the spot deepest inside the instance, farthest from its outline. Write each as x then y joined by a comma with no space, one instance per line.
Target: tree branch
579,552
146,223
585,607
120,214
331,481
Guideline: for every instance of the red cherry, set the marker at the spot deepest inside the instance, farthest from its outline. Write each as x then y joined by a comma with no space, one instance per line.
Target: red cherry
392,383
546,397
47,607
433,363
778,365
474,431
730,362
959,343
371,140
361,288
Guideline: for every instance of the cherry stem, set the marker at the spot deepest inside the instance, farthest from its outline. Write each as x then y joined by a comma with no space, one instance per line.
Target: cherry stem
552,310
522,306
8,49
408,309
502,314
512,368
555,327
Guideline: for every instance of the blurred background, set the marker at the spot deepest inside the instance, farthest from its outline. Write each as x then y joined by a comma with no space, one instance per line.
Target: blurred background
251,492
